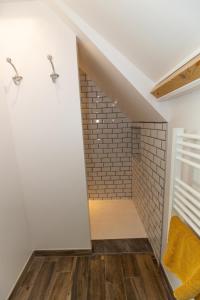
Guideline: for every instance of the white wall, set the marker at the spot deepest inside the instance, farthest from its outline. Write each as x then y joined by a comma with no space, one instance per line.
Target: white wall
46,123
15,242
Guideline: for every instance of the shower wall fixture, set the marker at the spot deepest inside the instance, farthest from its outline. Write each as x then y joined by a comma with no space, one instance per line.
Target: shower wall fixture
17,78
54,76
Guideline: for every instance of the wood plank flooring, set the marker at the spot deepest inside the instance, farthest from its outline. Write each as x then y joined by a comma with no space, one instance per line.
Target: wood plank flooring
139,245
123,276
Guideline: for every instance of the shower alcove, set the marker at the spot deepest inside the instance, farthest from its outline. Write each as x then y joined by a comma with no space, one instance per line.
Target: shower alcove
108,155
126,166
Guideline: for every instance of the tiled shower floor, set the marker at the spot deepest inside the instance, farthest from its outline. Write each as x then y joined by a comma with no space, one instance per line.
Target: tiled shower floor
114,219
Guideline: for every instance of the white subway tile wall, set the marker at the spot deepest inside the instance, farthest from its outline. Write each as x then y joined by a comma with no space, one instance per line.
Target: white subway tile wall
148,169
108,144
124,160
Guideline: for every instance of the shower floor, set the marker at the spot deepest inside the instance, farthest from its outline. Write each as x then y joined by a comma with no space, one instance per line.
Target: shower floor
115,219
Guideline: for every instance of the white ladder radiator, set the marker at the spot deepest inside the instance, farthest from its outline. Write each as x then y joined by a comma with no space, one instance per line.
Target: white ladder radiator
185,178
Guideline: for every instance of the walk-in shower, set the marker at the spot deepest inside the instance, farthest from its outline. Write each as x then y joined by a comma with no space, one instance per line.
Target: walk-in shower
125,165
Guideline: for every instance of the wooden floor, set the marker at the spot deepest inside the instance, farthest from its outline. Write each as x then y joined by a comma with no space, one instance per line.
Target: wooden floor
139,245
93,277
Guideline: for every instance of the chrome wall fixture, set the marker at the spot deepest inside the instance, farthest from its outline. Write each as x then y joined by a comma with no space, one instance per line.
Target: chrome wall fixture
17,78
54,76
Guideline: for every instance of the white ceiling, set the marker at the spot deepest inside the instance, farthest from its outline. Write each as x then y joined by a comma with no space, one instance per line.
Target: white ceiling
155,35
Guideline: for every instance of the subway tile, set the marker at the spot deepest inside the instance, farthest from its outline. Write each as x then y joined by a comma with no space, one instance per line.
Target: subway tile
158,126
160,153
131,160
161,134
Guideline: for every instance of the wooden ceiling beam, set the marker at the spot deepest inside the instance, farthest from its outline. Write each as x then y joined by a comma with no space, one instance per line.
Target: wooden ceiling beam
184,75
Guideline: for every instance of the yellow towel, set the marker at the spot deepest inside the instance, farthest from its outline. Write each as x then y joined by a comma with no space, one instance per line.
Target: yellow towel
182,258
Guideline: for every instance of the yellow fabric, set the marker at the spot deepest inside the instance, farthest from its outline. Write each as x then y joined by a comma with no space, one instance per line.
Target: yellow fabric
182,257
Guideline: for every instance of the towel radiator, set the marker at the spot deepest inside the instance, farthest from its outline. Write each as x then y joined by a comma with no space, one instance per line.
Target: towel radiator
185,178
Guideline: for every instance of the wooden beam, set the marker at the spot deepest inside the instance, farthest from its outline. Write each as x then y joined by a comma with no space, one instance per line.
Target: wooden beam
184,75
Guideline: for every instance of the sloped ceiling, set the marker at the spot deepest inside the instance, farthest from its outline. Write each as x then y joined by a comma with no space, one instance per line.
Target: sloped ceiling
115,85
128,45
155,35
